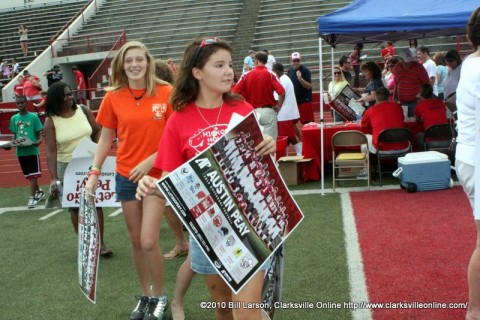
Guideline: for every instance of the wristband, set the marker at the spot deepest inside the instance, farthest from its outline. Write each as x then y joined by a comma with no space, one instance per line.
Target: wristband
94,167
93,172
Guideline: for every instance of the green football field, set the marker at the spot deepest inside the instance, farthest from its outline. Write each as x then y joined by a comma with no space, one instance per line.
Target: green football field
39,264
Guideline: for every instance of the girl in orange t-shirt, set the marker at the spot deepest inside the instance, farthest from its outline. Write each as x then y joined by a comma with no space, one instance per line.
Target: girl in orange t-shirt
136,109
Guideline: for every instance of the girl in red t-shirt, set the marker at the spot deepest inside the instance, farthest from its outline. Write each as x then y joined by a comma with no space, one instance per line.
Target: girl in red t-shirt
203,107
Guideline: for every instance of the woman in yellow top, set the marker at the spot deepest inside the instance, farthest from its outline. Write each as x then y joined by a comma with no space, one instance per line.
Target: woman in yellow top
65,126
335,87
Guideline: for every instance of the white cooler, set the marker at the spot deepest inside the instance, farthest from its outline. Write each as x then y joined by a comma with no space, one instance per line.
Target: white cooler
422,171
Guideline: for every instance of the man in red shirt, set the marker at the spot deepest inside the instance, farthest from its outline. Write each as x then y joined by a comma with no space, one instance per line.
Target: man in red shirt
429,111
409,77
257,87
383,115
81,93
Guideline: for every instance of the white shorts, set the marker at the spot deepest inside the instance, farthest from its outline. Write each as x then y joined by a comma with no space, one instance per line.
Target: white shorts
466,176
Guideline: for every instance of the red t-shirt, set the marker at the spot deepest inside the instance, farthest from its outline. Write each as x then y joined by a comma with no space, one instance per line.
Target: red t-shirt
408,81
79,77
431,111
18,88
257,87
187,132
381,116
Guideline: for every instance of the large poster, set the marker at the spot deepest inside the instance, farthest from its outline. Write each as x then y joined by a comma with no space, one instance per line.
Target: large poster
76,177
345,103
234,203
88,246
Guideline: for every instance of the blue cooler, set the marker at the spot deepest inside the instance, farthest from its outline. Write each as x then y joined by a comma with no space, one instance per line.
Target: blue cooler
422,171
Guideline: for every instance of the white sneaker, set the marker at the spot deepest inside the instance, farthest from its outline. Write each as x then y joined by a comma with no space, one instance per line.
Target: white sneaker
39,195
362,175
32,203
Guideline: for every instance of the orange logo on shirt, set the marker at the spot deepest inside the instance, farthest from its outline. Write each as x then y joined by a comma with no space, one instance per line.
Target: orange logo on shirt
159,110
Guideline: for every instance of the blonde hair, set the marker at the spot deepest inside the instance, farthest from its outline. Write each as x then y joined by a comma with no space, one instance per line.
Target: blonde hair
119,78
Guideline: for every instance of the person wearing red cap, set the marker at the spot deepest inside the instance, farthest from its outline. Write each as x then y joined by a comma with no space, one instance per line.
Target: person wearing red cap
257,87
302,82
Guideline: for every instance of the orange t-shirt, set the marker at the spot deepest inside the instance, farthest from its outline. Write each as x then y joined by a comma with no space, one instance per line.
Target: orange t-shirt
139,127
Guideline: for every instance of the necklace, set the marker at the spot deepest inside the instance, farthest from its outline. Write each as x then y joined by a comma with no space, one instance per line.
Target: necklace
204,119
139,97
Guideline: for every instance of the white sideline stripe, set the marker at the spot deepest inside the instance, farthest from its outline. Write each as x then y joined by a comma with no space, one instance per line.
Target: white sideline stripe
24,208
356,275
51,214
115,213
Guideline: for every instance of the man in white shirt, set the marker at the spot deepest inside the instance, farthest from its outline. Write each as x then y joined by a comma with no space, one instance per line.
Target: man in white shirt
423,54
288,115
270,61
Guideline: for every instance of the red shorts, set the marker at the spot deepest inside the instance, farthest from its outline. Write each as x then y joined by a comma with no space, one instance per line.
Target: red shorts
286,128
306,112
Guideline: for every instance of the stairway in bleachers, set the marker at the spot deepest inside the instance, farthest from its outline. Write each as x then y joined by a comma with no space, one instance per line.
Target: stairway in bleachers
43,22
166,27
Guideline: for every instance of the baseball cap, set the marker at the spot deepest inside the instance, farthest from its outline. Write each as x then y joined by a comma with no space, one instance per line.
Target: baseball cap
406,55
295,56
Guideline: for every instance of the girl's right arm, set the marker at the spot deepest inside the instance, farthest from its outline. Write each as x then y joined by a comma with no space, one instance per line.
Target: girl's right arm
103,148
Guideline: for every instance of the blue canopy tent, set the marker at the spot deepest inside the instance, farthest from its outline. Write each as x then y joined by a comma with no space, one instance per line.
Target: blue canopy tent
380,20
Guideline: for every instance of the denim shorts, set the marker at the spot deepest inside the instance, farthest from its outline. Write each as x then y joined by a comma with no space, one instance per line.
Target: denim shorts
200,263
125,189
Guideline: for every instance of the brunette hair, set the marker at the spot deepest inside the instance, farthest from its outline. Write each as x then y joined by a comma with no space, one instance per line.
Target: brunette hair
382,94
473,28
186,86
426,91
439,59
56,99
453,55
119,78
163,71
373,68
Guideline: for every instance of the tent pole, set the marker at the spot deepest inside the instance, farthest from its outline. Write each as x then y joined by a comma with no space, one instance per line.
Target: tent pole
320,70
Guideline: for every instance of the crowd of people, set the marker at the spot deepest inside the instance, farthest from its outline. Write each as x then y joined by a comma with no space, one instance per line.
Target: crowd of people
154,108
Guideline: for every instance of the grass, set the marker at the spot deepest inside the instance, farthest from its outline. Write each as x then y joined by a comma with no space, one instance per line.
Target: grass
39,265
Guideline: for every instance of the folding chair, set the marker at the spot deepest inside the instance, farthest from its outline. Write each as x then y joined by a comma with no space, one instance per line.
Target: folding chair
388,137
439,137
348,158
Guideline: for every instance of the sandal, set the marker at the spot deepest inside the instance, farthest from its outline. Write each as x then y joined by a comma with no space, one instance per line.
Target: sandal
176,252
104,252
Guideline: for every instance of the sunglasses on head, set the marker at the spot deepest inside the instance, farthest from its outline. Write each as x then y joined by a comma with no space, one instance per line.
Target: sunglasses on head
205,42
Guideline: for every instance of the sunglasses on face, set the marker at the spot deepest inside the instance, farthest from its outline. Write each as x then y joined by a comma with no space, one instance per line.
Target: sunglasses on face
68,94
205,42
336,72
296,60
